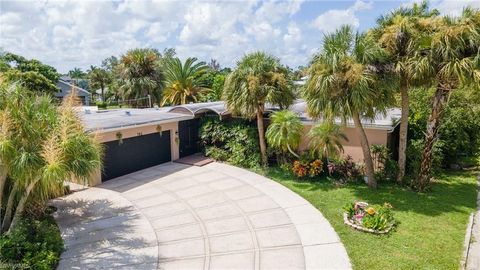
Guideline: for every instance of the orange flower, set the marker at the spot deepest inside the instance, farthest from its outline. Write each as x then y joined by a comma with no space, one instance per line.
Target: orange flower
371,211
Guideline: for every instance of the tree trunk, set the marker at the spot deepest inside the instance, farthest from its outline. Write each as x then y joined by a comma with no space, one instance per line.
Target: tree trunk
402,145
292,152
21,205
433,125
103,92
3,180
261,136
7,218
367,156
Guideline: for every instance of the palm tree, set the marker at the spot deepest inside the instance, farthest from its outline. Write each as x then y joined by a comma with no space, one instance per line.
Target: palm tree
99,78
343,83
41,146
398,33
258,79
140,74
326,139
183,82
77,73
284,131
450,57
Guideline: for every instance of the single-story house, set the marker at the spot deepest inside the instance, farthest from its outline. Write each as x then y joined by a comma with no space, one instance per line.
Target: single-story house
66,87
136,139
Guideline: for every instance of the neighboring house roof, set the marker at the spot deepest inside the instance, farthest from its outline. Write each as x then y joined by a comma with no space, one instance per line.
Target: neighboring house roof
66,87
387,121
123,118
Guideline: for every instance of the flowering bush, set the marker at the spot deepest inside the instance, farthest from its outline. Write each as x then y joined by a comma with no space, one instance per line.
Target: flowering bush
303,168
360,215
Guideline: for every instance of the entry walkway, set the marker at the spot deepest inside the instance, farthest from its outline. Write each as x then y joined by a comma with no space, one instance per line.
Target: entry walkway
175,216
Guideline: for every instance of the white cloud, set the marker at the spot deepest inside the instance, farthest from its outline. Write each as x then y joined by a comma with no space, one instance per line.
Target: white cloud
69,34
454,7
334,18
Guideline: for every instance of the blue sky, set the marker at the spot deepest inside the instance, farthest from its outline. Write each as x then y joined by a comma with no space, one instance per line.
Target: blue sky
67,34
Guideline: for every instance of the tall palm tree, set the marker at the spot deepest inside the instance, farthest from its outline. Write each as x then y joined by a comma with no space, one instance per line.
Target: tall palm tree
343,83
258,79
140,74
99,78
327,139
450,57
41,146
284,131
77,73
398,33
183,81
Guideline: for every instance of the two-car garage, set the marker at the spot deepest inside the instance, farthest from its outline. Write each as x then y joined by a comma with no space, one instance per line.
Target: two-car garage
136,153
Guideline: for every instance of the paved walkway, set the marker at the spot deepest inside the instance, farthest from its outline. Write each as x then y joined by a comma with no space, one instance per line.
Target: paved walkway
175,216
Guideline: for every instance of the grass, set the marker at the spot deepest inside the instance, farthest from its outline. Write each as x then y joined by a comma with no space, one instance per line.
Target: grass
431,226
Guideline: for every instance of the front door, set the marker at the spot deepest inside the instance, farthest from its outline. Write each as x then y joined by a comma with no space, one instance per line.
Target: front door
188,136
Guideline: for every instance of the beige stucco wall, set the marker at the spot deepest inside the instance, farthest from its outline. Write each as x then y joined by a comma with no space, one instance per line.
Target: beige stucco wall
107,136
351,147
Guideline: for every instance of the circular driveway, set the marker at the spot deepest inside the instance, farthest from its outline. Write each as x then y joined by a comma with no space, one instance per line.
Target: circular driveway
175,216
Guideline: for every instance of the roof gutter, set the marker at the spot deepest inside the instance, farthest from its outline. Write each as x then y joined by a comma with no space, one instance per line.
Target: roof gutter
150,123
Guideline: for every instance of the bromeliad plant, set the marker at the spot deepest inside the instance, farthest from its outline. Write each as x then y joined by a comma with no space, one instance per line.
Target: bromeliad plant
361,216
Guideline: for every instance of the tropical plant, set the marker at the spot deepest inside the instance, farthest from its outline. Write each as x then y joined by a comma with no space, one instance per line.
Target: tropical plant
77,73
327,139
182,81
399,34
140,75
234,142
449,57
258,79
99,78
41,145
343,83
284,131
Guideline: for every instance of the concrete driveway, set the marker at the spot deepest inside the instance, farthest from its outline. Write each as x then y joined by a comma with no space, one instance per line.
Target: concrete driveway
175,216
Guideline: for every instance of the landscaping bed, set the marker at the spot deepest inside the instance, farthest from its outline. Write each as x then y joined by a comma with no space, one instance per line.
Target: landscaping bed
431,226
35,244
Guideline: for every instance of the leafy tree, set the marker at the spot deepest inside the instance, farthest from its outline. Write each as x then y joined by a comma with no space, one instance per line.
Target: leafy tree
284,131
77,73
183,83
258,79
140,74
30,79
450,57
33,74
41,145
24,65
399,34
327,139
99,78
343,83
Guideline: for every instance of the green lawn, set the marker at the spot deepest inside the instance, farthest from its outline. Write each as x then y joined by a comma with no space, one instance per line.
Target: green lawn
432,225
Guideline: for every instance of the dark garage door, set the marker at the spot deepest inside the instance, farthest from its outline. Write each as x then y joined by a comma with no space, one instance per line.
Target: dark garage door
135,154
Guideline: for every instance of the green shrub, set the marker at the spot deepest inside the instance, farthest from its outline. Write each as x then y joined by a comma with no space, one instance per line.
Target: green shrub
235,142
386,168
34,244
102,105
